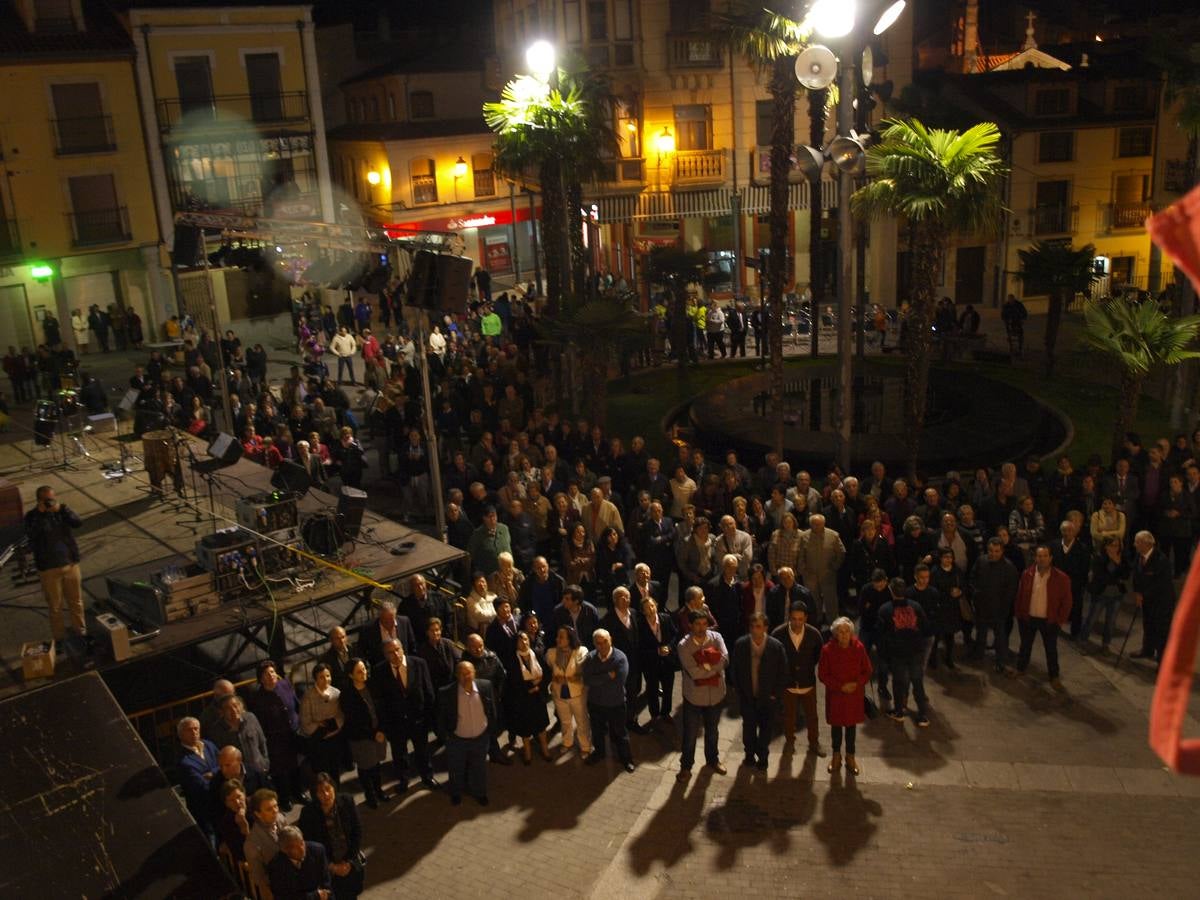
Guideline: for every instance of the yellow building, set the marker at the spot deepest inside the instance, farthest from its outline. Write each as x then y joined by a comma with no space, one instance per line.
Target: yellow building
694,125
232,104
75,194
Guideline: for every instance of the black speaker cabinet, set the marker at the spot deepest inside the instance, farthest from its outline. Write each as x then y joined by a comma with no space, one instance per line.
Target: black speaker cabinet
439,282
226,448
351,504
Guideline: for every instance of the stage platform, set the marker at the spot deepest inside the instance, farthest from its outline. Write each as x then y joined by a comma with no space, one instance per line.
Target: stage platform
128,533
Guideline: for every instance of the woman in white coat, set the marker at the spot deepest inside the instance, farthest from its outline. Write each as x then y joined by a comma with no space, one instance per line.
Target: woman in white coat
565,663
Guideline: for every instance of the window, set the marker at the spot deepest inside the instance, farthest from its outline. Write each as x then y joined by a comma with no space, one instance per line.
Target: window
688,15
374,109
391,107
96,217
597,15
485,180
1052,102
266,87
193,79
622,20
424,181
1135,141
79,120
1056,146
693,127
420,105
1129,98
628,133
572,24
764,122
1052,215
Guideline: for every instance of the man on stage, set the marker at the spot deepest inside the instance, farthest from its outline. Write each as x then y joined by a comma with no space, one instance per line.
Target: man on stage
56,555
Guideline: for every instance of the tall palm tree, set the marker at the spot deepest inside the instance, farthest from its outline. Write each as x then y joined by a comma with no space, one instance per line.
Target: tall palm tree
1062,272
1137,337
942,183
770,42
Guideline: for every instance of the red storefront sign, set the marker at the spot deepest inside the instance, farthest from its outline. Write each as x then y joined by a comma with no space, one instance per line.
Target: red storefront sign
458,223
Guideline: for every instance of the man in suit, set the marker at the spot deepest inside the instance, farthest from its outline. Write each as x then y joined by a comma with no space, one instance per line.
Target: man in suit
541,593
230,766
759,667
621,622
578,613
658,542
1043,606
784,594
337,657
422,604
489,668
656,648
300,871
600,514
654,482
735,542
404,698
388,626
802,651
466,713
644,587
724,595
197,766
695,556
1154,592
1122,486
1070,555
821,556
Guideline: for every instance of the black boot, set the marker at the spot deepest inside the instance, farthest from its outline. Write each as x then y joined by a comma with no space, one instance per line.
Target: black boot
368,785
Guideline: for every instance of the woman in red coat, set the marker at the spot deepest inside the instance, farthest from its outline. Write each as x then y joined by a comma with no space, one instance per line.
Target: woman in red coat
844,669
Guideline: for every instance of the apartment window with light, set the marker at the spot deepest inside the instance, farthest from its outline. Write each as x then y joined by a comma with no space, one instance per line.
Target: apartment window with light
1056,146
693,127
485,179
1052,102
424,181
1135,141
420,104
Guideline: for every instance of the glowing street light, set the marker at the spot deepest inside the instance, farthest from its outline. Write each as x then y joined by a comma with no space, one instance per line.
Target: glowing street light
374,177
889,17
460,167
540,58
832,18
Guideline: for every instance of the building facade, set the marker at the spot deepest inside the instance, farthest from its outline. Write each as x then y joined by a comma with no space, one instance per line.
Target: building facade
694,127
77,222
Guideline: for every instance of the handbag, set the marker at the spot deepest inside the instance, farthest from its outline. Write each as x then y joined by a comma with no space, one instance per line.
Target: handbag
870,710
965,609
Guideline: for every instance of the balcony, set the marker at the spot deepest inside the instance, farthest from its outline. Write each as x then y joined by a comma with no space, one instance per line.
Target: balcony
99,226
1125,215
692,51
623,171
10,240
424,189
84,134
1057,218
261,109
698,166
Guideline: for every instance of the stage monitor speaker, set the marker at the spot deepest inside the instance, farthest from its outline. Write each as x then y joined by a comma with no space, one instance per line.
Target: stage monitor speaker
422,280
291,476
351,504
226,448
186,250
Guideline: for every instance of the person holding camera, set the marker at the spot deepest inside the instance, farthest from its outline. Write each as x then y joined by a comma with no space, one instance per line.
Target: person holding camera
48,527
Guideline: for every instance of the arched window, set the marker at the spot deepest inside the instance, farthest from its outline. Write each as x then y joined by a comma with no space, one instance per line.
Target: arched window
424,180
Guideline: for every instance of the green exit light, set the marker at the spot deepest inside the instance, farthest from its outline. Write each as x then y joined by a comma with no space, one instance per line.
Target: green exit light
41,270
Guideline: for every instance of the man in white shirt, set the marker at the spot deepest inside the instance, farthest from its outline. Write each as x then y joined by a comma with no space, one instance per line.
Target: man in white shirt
344,347
466,713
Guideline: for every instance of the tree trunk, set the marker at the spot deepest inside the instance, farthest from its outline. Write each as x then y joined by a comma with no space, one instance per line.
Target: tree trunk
783,137
1131,396
1054,311
574,203
594,360
816,269
928,250
552,232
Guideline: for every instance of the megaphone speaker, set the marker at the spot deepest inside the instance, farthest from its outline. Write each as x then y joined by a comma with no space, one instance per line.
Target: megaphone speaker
816,67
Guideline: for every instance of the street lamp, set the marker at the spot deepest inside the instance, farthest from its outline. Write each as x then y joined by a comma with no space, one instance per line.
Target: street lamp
540,60
839,22
460,169
373,178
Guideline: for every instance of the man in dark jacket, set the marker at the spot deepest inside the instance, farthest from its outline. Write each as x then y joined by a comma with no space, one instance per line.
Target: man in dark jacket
657,638
621,622
784,595
578,613
801,644
1071,556
993,589
541,592
404,697
1154,592
903,633
760,670
300,870
48,528
1043,606
466,719
487,667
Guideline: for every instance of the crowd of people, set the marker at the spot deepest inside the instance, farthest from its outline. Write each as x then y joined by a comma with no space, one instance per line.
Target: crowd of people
597,574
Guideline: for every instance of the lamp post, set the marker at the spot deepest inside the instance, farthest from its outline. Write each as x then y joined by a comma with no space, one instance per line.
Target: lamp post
840,22
460,169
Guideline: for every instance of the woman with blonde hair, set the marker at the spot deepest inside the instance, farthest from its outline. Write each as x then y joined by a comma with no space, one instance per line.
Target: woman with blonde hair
844,669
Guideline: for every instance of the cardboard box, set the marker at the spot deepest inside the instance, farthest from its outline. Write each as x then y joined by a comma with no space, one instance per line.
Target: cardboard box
34,662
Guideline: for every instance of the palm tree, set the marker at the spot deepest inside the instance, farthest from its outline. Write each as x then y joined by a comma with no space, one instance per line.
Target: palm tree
557,135
1061,271
941,183
1137,337
770,42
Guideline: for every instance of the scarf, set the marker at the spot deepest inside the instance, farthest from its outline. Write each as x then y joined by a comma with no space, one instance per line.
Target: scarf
530,670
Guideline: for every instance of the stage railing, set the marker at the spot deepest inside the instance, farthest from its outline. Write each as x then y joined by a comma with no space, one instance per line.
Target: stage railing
156,725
